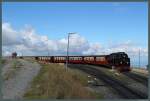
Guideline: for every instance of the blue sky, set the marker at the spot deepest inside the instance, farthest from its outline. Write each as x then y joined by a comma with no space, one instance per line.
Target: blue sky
104,23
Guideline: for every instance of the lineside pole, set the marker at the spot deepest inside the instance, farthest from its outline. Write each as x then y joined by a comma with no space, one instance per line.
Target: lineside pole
67,53
139,59
67,58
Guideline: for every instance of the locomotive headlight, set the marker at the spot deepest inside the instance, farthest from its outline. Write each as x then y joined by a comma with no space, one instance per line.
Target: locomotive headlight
121,62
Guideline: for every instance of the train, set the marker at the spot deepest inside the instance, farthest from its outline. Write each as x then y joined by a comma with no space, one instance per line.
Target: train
119,60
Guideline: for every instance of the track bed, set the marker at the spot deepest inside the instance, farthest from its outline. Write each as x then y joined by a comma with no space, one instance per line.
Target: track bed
123,90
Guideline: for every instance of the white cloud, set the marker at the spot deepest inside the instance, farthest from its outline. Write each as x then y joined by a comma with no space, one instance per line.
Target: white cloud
129,47
27,42
94,48
9,35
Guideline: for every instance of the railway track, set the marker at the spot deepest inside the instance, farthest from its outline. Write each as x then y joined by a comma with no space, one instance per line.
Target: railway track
123,90
143,80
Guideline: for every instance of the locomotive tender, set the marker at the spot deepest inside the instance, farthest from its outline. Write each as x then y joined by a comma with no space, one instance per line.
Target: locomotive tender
119,61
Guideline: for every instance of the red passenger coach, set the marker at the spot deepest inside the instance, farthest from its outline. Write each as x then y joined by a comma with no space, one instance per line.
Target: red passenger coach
101,60
119,60
75,59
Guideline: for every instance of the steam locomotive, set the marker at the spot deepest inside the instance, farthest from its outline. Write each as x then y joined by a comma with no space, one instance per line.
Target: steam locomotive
119,61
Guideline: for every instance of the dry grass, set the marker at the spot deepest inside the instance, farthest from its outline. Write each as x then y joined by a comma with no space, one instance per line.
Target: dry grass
54,82
16,65
116,75
30,60
3,61
140,71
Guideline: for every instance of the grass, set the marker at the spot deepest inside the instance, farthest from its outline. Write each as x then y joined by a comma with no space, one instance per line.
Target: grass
30,60
3,61
15,66
140,71
54,82
121,77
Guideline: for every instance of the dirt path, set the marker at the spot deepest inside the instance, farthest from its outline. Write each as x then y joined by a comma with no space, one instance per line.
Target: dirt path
17,77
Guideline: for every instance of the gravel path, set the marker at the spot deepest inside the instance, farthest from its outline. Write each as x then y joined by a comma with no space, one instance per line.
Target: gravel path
16,86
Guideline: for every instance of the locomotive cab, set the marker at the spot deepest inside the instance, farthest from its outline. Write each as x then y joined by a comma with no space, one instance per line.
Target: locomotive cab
120,61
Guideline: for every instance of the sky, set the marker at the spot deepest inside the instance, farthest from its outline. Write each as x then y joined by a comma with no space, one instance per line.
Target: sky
101,28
